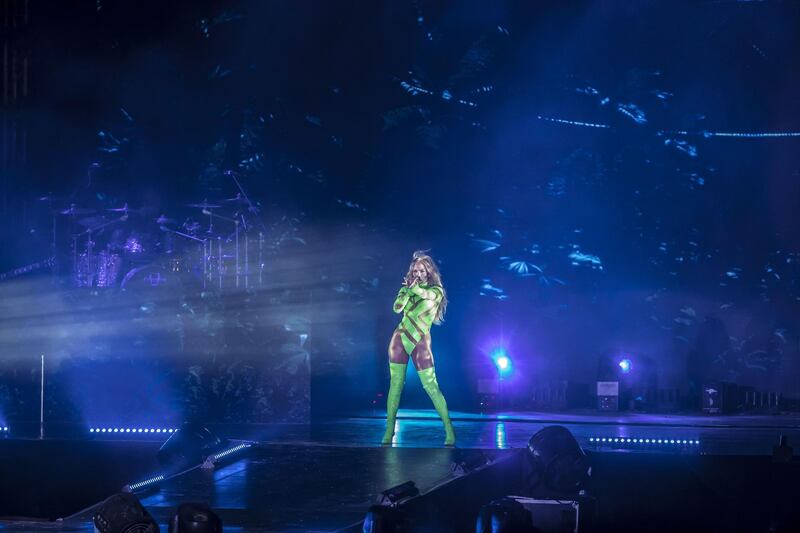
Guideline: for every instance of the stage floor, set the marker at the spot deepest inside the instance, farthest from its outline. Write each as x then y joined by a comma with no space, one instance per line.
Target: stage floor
720,435
324,476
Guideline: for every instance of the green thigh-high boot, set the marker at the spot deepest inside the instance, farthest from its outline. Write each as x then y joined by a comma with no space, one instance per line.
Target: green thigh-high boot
397,378
429,383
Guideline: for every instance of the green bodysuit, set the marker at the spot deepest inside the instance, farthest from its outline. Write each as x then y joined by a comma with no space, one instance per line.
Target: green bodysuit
418,305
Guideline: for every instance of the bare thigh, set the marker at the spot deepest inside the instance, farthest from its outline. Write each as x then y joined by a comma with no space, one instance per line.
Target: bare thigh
422,355
397,353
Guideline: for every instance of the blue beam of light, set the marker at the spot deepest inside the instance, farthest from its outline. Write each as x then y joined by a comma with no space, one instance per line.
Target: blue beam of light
626,366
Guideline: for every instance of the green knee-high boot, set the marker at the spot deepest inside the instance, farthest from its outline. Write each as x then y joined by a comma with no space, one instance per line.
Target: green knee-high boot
431,386
397,379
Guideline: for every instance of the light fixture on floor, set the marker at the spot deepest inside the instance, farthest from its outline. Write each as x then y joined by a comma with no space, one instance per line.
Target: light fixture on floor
505,515
398,494
382,519
559,466
195,518
123,513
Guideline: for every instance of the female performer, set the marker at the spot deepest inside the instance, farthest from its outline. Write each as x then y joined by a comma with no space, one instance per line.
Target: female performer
423,301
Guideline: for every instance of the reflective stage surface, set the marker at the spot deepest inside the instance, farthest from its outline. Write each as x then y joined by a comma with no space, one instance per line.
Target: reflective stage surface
324,476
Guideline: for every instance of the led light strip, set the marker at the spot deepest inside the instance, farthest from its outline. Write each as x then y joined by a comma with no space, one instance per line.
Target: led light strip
132,430
141,484
627,440
231,450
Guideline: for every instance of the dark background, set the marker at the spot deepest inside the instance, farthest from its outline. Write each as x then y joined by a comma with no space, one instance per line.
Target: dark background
561,160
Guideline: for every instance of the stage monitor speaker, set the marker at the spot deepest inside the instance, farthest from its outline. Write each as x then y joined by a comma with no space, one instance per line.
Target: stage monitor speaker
123,513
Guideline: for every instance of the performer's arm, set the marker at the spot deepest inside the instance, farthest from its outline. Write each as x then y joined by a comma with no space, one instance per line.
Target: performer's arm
402,299
434,293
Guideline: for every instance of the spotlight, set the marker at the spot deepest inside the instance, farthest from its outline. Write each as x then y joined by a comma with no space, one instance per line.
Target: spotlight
195,518
123,513
188,446
502,361
558,462
396,494
625,366
382,519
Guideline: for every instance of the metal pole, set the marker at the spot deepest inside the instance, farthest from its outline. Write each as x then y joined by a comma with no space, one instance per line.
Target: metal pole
246,263
205,261
41,405
219,255
237,253
260,259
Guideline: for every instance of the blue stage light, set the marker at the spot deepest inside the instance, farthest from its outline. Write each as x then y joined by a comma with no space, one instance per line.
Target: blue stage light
625,365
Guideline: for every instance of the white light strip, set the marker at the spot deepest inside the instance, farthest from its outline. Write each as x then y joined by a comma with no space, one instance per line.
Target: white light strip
130,430
637,440
231,450
139,485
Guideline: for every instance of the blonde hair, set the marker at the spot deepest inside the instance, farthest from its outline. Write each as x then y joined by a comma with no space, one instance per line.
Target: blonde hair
434,278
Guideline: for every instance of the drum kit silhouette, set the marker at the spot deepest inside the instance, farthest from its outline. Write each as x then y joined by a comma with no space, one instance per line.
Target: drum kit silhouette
220,245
